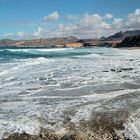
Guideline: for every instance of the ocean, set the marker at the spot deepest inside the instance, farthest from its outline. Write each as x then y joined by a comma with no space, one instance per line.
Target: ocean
43,88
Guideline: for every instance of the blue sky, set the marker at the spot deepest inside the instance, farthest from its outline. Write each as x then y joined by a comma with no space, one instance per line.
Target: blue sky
24,18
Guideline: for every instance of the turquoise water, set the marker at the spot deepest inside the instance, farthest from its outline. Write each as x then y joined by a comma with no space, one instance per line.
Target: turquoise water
38,85
10,53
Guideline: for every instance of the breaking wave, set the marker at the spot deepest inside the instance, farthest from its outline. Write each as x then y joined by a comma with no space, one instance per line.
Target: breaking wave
80,92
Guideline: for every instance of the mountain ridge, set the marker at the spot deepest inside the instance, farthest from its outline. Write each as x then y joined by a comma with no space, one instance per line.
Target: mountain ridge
132,41
119,36
109,41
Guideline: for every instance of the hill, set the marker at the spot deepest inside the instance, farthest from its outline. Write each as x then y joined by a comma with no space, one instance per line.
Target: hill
133,41
38,42
122,35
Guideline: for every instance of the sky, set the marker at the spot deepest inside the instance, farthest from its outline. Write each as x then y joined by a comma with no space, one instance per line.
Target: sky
30,19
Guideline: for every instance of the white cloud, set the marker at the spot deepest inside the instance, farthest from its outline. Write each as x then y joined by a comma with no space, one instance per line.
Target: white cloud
109,16
86,26
18,35
117,23
52,16
90,20
9,35
21,34
133,20
91,25
95,25
39,32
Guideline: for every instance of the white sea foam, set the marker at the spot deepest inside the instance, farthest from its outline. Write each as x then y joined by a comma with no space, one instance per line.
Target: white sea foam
56,49
26,125
93,55
132,126
39,50
23,64
67,85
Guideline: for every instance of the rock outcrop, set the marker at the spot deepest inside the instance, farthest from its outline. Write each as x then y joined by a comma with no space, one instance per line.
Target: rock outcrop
97,42
133,41
122,35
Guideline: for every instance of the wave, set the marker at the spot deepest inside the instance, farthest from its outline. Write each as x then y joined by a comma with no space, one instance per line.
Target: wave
23,125
132,126
35,53
93,55
23,64
39,50
55,93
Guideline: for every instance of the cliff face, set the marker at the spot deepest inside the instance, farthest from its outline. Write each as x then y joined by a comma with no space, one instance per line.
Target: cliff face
122,35
133,41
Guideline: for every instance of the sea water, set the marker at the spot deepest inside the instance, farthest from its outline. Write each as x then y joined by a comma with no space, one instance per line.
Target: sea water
41,88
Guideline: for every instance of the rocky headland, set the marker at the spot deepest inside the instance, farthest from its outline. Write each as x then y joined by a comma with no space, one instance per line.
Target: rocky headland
132,41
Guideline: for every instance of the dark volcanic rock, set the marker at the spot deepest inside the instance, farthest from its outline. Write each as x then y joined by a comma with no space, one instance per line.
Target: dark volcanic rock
121,69
133,41
122,35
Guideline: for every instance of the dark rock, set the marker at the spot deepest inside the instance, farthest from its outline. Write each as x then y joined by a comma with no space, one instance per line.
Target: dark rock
126,69
122,35
121,69
68,137
113,70
133,41
131,59
105,71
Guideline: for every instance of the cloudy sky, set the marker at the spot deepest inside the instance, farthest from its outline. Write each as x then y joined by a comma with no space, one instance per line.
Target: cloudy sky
26,19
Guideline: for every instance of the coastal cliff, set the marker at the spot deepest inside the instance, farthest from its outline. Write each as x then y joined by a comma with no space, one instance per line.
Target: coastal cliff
122,35
133,41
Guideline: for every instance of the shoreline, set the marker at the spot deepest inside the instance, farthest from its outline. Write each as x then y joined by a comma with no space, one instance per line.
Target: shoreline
129,48
46,47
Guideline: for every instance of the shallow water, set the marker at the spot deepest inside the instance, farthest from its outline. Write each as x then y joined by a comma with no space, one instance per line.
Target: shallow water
49,88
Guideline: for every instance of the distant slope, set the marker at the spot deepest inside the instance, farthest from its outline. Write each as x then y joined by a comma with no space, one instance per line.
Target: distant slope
38,42
122,35
110,41
6,42
133,41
